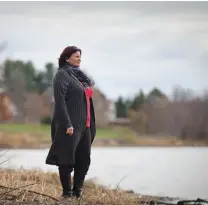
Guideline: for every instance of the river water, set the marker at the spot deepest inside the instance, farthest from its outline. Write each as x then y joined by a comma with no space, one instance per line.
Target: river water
174,172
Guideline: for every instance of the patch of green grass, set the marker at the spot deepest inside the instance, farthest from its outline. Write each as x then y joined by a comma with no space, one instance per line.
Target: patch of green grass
43,131
30,128
110,133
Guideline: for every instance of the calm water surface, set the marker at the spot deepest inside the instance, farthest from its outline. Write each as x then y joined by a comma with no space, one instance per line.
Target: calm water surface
174,172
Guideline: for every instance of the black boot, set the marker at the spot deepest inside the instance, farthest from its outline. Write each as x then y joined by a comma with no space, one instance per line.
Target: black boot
67,193
65,178
78,184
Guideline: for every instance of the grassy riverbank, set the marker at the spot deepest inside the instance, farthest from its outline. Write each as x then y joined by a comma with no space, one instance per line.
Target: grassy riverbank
38,136
36,187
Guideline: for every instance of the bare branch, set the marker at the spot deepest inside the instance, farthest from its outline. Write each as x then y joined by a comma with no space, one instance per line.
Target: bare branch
13,189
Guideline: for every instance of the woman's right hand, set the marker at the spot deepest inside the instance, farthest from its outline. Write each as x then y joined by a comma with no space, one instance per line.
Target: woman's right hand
69,131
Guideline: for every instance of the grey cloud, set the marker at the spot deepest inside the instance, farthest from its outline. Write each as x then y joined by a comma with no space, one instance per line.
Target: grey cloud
132,45
164,8
177,48
159,8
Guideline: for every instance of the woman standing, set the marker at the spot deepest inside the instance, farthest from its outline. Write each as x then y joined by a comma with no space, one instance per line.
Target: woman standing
73,123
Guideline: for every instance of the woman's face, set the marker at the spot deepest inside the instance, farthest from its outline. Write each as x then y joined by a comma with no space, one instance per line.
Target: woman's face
75,59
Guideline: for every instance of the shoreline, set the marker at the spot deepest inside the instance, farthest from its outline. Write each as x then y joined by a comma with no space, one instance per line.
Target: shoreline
110,143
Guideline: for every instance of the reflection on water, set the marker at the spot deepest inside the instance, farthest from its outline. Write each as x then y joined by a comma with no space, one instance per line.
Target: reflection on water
175,172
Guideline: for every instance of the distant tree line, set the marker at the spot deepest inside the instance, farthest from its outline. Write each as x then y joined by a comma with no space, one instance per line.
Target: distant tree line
18,73
123,105
183,114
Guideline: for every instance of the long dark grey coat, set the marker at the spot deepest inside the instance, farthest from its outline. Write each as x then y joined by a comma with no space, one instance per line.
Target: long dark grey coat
70,110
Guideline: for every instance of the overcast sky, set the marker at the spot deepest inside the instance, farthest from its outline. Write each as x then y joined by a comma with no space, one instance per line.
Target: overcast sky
126,46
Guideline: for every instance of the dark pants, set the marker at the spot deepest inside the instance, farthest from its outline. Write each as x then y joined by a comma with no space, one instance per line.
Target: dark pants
82,162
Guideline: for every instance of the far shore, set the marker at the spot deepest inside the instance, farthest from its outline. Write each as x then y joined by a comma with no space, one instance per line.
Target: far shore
111,143
27,136
102,143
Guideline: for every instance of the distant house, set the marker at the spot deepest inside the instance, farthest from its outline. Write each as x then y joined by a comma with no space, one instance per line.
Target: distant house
157,99
36,107
7,108
101,105
111,111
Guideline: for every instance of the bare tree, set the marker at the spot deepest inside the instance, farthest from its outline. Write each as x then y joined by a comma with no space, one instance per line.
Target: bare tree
182,94
186,119
3,46
16,90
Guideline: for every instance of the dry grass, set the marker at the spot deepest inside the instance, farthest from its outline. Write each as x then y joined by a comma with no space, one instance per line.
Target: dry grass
165,141
13,140
48,184
39,182
150,141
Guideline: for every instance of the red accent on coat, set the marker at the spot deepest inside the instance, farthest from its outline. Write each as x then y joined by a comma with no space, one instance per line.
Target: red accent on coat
88,94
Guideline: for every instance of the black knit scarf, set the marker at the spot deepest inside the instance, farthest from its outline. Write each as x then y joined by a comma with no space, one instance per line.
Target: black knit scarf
79,74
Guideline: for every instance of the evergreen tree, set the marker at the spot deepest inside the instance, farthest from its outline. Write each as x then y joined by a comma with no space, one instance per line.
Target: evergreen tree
34,81
121,108
138,100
